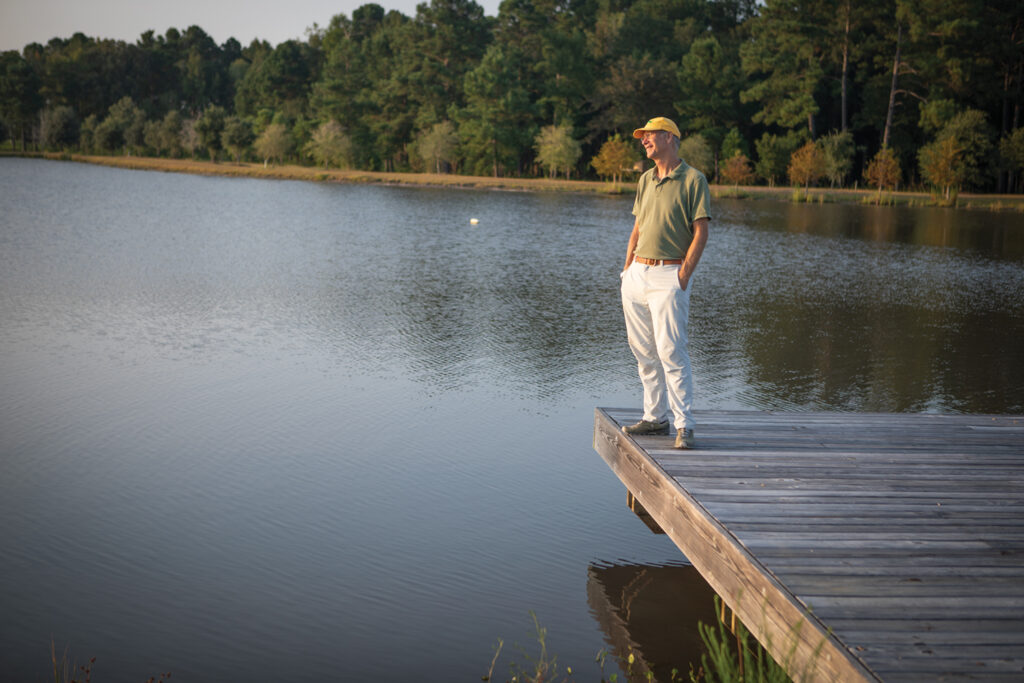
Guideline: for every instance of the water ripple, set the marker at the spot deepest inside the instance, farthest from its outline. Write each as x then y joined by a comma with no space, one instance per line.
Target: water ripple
250,428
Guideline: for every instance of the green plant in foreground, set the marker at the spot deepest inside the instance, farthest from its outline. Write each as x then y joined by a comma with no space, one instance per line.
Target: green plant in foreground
542,668
745,662
497,652
730,657
66,671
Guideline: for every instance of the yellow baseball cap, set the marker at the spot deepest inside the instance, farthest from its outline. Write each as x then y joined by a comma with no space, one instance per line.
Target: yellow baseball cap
658,123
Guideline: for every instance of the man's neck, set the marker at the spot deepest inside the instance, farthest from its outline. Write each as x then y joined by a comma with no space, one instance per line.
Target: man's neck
666,165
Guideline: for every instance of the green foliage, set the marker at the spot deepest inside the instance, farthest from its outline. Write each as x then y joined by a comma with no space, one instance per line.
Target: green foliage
58,128
87,134
20,96
237,136
273,143
773,154
936,114
733,144
944,39
973,136
390,117
959,155
169,134
443,42
837,152
203,70
733,658
151,137
784,57
1011,147
189,136
539,668
729,658
731,72
1011,150
339,92
632,91
616,156
603,34
301,130
210,127
942,165
437,147
123,128
329,146
696,152
278,80
558,74
710,81
134,130
496,124
557,149
563,74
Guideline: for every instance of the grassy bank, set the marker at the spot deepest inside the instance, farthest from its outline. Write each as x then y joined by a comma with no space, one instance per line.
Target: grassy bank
871,197
309,173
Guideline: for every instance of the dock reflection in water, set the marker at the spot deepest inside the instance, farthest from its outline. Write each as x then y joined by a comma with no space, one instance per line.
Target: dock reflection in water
650,612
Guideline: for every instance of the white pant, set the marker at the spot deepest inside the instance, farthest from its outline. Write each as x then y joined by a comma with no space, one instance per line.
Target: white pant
657,310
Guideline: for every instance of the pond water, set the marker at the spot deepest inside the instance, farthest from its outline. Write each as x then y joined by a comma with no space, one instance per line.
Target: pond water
273,430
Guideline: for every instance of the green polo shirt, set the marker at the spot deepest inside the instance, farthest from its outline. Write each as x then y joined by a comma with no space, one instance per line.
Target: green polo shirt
666,209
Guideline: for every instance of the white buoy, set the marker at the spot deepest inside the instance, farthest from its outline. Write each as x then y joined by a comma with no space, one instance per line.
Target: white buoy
474,221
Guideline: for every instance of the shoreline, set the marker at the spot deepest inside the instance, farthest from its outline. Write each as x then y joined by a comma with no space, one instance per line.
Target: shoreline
821,195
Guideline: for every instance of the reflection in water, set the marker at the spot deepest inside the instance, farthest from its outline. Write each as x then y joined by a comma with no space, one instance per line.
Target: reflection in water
997,235
812,321
650,611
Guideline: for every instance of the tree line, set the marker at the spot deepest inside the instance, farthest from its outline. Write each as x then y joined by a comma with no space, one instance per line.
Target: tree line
918,93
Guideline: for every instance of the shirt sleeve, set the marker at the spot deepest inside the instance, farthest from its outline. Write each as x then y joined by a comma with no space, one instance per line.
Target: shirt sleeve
701,199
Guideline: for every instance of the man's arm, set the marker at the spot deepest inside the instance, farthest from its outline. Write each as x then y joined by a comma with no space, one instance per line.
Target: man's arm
693,254
633,237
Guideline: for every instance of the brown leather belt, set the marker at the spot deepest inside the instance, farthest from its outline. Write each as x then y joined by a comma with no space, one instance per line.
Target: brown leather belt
658,262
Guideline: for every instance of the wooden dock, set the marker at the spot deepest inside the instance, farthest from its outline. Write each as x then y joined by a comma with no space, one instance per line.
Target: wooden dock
855,547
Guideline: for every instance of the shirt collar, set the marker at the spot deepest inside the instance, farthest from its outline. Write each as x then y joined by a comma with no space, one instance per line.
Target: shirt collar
674,174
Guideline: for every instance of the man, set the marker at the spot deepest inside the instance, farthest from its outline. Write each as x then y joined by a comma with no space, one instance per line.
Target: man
672,214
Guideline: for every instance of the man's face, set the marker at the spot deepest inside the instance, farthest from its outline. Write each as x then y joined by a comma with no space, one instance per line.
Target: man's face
655,142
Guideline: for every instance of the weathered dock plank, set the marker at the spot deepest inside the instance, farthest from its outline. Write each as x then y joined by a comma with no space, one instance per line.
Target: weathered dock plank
854,546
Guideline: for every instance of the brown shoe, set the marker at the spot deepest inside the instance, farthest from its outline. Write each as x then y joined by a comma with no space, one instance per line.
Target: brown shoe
684,438
646,428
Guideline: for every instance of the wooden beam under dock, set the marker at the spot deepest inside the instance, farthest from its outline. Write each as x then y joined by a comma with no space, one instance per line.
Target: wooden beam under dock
855,547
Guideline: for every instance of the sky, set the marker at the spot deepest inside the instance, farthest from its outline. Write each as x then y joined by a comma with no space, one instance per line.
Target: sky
37,21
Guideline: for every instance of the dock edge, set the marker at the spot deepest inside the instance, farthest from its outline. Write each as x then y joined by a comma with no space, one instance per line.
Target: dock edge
787,629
